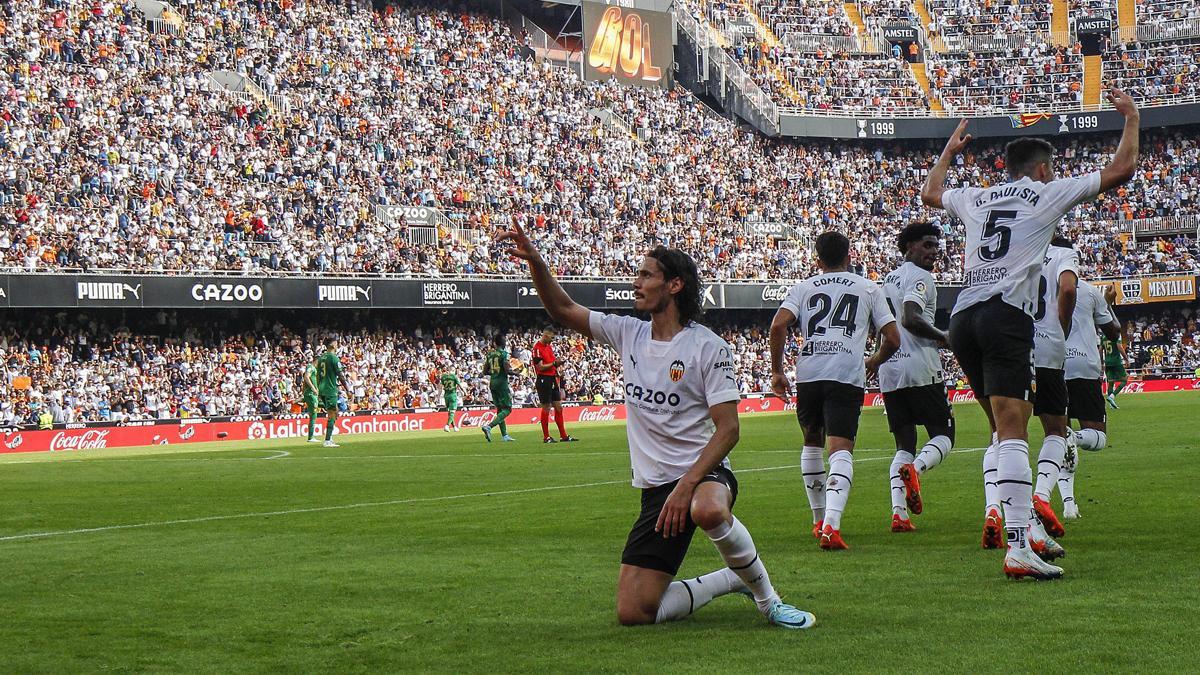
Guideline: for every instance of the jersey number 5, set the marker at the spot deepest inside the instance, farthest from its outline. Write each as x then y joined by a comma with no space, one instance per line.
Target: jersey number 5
844,312
996,238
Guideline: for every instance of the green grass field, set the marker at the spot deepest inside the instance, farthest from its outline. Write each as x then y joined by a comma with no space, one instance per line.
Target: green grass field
430,551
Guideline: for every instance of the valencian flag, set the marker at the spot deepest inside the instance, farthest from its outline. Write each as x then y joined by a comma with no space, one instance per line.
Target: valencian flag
1028,119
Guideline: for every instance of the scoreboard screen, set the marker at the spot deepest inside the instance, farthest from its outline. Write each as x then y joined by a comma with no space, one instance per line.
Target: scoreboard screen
628,43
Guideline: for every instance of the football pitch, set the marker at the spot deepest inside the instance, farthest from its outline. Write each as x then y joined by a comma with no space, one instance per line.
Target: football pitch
440,552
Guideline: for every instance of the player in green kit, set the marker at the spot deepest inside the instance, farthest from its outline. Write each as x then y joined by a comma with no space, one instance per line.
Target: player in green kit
309,387
496,367
450,385
1114,370
329,376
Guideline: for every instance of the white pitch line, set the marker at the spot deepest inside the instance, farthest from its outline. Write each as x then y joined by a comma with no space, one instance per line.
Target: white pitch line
365,505
288,455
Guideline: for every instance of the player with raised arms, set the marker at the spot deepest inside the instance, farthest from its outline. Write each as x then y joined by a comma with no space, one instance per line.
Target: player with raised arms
912,381
836,310
681,397
1008,229
1085,384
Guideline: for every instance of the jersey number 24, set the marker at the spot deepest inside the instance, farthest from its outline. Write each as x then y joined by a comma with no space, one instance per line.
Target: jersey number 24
844,311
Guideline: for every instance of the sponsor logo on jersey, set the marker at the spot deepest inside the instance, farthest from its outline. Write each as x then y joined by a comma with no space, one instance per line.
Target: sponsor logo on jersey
639,393
106,290
985,276
812,347
447,293
677,370
343,293
227,292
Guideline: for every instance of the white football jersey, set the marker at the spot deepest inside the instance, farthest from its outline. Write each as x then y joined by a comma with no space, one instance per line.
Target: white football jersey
835,312
1008,228
669,387
1049,343
1083,344
918,362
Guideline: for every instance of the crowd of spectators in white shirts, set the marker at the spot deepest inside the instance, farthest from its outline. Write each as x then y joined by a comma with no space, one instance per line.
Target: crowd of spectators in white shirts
116,154
165,365
107,366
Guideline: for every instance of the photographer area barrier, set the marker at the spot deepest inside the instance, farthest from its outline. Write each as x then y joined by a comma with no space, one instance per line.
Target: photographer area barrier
105,435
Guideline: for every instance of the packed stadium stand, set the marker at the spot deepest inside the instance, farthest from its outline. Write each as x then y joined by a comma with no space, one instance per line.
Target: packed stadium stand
122,149
140,165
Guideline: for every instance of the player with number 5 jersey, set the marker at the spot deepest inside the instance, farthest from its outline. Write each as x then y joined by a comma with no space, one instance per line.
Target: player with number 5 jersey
835,310
1008,228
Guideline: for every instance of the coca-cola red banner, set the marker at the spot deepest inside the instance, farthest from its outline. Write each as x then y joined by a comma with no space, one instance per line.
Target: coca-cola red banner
146,433
256,428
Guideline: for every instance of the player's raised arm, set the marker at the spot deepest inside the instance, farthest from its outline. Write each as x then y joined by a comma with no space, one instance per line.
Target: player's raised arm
558,304
1124,162
935,182
779,334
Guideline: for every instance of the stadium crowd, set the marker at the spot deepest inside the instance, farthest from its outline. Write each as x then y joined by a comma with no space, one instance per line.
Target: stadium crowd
114,367
171,364
116,153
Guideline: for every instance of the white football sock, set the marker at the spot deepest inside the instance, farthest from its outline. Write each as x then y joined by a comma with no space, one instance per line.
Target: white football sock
737,550
1014,478
991,491
899,507
812,464
1036,529
1050,462
933,453
837,488
1066,481
1091,439
686,596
